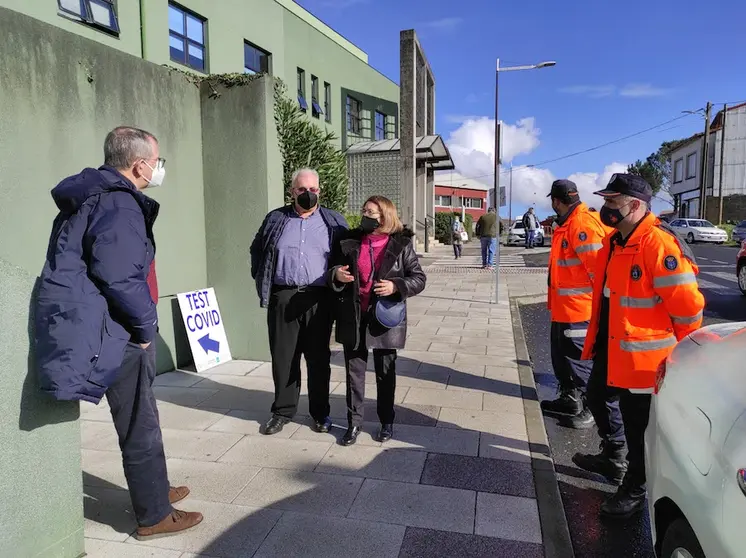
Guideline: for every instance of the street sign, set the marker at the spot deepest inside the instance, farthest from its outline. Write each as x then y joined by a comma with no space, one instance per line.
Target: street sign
503,201
204,326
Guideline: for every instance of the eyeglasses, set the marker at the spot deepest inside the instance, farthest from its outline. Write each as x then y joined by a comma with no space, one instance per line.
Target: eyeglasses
369,213
303,190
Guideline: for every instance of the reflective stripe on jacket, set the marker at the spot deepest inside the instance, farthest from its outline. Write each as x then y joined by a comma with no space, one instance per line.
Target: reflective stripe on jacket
572,264
654,301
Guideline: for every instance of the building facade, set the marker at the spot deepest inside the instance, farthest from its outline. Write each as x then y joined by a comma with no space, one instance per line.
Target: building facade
458,194
329,75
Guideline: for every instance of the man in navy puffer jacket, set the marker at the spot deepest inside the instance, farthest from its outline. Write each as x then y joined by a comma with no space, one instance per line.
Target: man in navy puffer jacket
96,319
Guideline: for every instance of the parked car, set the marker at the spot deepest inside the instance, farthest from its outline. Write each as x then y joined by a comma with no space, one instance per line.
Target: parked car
741,267
695,447
517,235
698,230
739,232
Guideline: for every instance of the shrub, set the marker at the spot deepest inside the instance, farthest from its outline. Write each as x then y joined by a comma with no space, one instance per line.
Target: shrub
353,219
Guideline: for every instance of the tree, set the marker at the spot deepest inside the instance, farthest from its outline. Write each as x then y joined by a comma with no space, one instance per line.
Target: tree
304,144
656,169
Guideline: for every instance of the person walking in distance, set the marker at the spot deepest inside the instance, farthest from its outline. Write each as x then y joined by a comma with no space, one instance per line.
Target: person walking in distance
289,262
645,299
572,266
96,318
487,227
530,226
458,230
375,270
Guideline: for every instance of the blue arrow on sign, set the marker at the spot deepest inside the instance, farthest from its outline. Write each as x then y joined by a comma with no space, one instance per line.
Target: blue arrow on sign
209,344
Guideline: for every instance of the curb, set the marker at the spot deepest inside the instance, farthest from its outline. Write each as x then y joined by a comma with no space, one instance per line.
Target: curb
555,533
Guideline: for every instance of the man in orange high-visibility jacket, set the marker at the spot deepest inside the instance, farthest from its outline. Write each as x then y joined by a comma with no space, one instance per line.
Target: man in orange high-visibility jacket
572,264
645,299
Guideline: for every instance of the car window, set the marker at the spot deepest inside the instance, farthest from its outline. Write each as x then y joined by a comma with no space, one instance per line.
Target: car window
518,225
701,223
676,223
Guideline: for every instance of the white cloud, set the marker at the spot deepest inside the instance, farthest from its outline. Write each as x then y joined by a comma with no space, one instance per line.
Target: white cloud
592,91
445,24
639,90
631,90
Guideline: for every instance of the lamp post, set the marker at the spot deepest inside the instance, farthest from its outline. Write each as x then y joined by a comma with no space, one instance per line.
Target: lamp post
498,69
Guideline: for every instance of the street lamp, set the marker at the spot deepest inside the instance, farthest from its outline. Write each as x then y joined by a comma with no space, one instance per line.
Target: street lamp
498,69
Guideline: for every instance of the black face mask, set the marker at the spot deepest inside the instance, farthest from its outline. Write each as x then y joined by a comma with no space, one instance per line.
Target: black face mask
307,200
368,225
611,217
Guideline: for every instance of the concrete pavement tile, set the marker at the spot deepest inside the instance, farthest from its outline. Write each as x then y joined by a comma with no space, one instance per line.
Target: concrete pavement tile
487,360
480,474
240,398
108,549
427,356
250,422
467,382
234,368
339,427
202,446
226,382
428,543
425,326
510,425
432,376
298,534
448,398
371,393
103,469
383,463
470,369
407,413
456,348
187,397
98,414
501,403
508,517
177,378
228,531
187,418
426,438
473,333
210,481
431,337
505,373
301,491
417,344
108,513
415,505
495,446
263,370
98,436
268,451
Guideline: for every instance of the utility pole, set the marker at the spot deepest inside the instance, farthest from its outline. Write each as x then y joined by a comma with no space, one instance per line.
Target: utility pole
703,165
722,160
497,183
510,193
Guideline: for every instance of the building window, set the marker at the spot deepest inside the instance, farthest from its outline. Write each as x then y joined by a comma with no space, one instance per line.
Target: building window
302,90
187,38
678,171
474,203
328,101
691,165
354,110
255,60
315,106
443,201
390,127
380,126
98,13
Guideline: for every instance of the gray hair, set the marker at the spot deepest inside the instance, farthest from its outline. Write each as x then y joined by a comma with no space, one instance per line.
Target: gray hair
124,146
304,170
629,199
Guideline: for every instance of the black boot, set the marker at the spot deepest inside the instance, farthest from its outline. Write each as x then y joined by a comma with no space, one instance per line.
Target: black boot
569,402
581,421
610,463
627,501
351,435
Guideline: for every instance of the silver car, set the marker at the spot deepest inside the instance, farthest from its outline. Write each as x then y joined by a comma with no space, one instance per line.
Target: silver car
698,230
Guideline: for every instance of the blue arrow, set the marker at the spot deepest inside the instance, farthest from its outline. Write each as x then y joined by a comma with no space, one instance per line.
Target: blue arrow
209,344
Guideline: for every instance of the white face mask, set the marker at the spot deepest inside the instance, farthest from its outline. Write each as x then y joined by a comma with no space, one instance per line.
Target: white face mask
159,173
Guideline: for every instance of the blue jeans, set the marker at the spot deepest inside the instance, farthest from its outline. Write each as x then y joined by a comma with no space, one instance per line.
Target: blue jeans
489,245
530,238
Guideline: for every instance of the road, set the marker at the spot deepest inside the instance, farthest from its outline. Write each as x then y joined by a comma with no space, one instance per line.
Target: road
582,493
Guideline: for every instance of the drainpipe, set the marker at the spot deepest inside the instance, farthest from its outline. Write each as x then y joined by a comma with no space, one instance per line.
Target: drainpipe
142,29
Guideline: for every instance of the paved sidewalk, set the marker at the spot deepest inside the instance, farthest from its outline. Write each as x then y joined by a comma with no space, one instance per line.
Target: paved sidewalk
458,479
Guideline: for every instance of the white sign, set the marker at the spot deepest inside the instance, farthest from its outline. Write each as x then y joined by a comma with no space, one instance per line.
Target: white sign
204,326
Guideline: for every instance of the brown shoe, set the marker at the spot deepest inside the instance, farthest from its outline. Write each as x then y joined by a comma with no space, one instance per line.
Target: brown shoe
177,493
175,522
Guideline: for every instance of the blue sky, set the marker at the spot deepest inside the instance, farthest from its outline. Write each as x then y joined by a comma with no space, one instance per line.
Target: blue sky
621,67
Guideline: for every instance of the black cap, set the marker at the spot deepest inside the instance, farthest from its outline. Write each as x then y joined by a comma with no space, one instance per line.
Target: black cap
562,188
628,185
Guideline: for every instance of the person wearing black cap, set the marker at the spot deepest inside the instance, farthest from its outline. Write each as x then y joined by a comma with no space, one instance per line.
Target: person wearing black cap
572,264
645,299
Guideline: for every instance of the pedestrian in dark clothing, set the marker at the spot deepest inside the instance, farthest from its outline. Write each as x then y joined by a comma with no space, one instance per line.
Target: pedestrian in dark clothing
289,262
487,231
96,317
457,240
373,264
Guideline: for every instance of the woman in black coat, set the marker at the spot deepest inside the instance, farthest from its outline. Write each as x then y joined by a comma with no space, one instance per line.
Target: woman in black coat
375,270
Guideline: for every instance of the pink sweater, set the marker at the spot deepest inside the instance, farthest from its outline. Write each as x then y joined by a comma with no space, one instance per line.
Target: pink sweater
378,243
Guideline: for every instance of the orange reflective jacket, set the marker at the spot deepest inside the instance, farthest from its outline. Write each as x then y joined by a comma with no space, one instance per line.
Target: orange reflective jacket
572,264
654,301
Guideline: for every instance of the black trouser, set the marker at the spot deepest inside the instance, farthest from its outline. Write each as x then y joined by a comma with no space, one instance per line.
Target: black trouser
566,343
300,323
457,250
356,362
135,414
620,415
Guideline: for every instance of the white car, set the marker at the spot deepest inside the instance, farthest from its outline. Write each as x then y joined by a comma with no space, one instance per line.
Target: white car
695,447
517,235
698,230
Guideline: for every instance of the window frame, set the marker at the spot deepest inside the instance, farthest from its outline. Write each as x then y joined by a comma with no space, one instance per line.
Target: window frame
694,175
328,101
300,74
678,176
439,199
357,118
186,41
260,50
315,107
376,128
85,16
473,203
